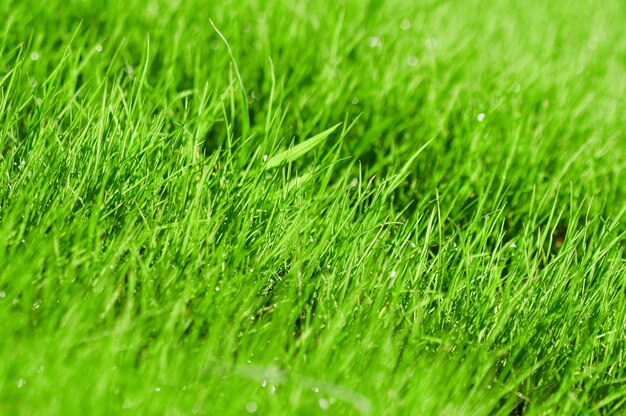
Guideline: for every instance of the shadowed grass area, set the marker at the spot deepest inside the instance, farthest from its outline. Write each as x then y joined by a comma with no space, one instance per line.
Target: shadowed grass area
183,231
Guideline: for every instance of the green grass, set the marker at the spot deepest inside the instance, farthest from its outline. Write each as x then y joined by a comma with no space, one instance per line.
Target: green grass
171,243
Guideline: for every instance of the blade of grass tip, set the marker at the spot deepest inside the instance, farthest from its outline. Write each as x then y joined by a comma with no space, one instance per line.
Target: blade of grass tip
404,172
144,73
347,127
246,114
6,35
271,102
299,150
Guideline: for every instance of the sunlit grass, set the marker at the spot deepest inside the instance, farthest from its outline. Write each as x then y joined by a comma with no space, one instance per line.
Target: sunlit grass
349,207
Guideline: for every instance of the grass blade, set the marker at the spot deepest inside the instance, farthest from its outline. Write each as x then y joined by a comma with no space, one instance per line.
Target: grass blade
299,150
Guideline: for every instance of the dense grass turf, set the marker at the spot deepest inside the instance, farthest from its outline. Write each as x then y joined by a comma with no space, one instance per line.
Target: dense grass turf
170,243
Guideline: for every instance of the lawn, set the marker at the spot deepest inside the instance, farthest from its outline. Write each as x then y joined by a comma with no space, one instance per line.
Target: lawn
343,207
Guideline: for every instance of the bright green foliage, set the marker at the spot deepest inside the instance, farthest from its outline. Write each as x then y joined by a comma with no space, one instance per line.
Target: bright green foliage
299,150
178,237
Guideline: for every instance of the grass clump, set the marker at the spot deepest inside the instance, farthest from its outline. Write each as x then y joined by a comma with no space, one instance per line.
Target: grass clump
183,230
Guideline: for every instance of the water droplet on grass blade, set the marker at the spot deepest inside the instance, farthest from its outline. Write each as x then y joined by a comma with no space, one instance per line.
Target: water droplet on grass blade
405,24
251,407
34,56
324,404
375,42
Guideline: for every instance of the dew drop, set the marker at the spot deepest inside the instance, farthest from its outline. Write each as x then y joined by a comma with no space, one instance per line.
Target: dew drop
375,42
251,407
324,404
